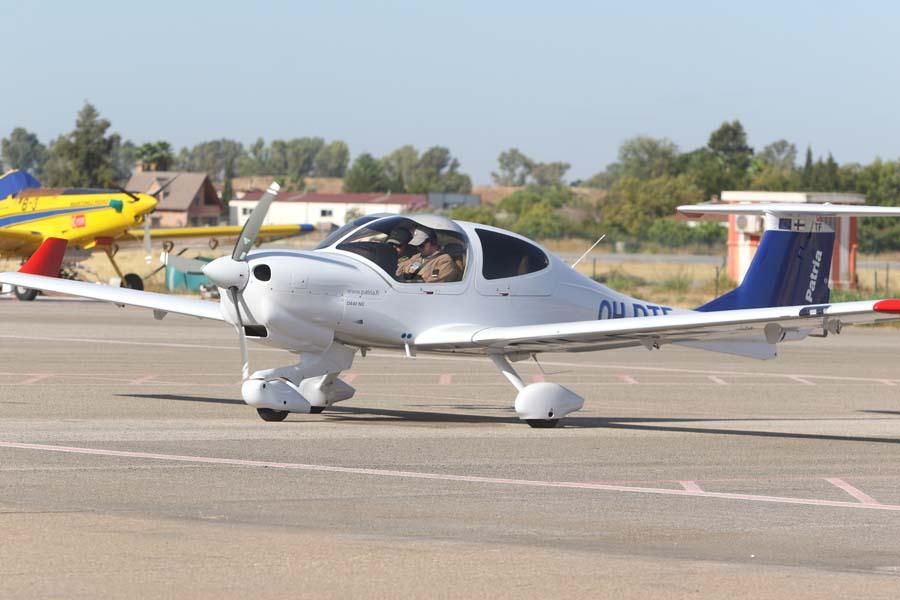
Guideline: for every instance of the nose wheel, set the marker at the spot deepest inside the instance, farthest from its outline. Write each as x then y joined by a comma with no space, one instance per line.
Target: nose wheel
268,414
542,423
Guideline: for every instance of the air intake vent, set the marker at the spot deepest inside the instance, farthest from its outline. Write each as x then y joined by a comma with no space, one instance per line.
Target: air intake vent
257,331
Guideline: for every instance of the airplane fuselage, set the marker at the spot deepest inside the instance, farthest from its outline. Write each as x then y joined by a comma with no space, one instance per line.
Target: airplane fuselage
309,295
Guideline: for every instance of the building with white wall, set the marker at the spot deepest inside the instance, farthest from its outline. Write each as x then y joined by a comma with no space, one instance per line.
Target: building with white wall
324,210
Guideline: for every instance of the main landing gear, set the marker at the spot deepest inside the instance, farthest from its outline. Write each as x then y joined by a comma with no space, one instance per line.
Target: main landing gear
543,404
129,280
25,294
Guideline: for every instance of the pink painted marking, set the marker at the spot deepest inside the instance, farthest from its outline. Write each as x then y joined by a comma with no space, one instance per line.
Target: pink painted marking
445,379
717,380
628,379
855,492
888,382
141,380
538,378
34,379
690,486
799,379
448,477
349,377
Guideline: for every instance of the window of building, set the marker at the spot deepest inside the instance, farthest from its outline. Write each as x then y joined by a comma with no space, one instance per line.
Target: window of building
507,256
325,212
246,211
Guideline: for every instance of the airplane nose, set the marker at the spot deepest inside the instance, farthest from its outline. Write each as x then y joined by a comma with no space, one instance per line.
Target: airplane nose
225,272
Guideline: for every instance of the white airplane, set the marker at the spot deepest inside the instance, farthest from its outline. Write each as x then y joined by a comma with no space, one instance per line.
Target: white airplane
512,301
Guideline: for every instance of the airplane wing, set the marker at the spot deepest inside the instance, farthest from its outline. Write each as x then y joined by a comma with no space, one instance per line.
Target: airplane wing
19,241
160,303
755,325
219,231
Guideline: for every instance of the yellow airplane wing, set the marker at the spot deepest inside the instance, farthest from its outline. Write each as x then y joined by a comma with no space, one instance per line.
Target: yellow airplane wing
18,242
218,231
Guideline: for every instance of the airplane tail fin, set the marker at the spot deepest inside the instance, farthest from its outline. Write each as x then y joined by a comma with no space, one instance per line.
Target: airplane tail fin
792,264
47,259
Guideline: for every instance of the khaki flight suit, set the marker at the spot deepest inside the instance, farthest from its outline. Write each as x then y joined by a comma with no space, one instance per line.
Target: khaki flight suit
437,268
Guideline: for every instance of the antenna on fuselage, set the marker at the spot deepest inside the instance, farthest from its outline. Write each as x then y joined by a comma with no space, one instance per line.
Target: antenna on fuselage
588,251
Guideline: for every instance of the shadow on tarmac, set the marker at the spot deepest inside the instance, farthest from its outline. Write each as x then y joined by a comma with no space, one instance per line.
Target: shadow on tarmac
361,415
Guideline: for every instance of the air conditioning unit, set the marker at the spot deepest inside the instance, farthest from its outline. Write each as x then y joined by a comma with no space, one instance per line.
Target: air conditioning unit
751,224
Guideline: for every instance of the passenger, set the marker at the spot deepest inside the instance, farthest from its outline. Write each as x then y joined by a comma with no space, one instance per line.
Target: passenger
399,238
431,264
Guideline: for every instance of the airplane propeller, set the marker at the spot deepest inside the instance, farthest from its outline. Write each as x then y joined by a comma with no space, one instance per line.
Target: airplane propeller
148,243
233,272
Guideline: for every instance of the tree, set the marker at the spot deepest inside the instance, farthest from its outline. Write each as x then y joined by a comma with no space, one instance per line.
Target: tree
437,171
399,166
482,213
540,221
808,166
781,154
634,205
83,158
156,156
332,160
124,155
729,142
645,157
212,157
301,156
366,175
514,168
550,173
22,150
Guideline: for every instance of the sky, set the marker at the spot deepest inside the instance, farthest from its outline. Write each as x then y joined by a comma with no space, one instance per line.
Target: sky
562,80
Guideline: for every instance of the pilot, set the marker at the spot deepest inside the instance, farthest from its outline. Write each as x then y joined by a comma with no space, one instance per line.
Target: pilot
431,264
399,239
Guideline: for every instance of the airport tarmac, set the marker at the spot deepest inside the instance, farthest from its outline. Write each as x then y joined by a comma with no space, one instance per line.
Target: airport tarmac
130,467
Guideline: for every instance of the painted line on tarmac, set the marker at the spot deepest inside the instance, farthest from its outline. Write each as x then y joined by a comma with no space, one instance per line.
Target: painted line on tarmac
445,379
855,492
129,343
690,486
614,366
717,380
628,379
34,378
800,379
449,477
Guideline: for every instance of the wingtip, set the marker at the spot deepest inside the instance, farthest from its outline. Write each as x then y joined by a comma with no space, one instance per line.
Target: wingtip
890,306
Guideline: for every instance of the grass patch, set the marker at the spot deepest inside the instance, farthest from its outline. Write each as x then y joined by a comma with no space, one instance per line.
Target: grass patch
678,283
621,281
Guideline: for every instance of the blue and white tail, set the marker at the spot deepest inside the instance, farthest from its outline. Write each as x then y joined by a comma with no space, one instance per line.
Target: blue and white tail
792,264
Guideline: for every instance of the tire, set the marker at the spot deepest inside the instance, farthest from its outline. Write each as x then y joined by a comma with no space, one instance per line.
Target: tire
133,281
25,294
271,415
542,423
316,409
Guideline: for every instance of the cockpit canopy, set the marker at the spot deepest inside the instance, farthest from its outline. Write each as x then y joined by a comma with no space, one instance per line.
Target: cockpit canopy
392,243
396,244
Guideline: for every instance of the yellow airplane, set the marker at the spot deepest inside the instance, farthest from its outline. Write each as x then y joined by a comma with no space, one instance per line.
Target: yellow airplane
91,220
